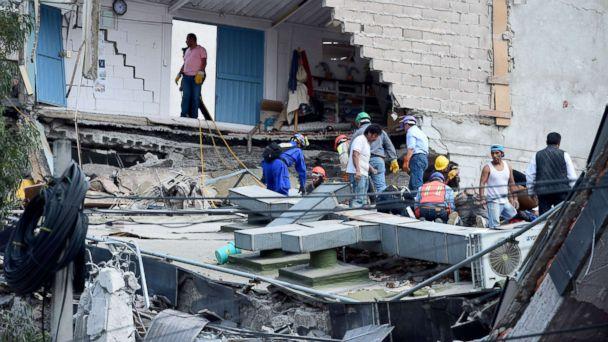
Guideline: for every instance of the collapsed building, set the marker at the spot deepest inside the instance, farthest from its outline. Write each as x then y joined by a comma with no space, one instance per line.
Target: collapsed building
474,72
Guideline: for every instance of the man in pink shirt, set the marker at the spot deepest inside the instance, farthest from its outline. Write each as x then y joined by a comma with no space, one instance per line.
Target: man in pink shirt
195,61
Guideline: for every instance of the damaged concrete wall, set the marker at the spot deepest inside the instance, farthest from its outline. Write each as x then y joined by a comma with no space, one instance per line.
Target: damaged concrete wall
137,77
436,55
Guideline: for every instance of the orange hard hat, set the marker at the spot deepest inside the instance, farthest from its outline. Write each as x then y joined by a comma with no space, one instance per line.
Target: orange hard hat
338,139
319,170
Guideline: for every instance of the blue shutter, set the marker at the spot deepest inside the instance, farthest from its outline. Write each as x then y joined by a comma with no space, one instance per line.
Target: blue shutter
240,75
50,74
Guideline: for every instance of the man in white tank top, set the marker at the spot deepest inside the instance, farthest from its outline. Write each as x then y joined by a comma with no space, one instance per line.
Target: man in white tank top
494,185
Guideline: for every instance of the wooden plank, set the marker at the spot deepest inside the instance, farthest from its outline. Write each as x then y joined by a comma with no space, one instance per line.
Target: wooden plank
502,99
499,16
501,79
501,57
503,122
495,114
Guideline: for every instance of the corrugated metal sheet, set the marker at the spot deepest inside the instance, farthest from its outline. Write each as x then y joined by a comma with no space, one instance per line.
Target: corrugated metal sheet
312,13
50,75
240,74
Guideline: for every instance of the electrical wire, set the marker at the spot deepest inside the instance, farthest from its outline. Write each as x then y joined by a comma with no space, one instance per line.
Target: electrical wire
49,235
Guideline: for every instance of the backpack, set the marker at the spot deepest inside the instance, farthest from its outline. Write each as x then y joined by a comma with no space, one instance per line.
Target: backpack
271,152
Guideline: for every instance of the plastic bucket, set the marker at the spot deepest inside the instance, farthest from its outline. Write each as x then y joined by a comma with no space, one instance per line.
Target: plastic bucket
222,253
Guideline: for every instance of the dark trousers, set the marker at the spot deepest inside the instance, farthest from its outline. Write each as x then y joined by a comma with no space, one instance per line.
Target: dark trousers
191,96
545,202
433,213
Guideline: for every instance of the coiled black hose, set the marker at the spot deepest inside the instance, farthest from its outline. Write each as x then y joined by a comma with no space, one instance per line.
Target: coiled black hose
49,235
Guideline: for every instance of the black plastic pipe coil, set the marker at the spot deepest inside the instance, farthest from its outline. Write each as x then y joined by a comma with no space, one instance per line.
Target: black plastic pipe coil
49,235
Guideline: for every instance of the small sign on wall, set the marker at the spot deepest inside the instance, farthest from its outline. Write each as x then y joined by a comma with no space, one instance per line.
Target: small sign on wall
100,82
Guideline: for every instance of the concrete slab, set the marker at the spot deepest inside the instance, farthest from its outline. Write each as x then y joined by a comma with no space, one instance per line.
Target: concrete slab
351,214
261,200
313,277
313,207
234,226
261,239
255,262
322,223
367,231
383,218
317,239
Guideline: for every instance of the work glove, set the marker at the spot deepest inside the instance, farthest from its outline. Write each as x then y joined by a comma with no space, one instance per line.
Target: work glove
178,77
394,166
199,77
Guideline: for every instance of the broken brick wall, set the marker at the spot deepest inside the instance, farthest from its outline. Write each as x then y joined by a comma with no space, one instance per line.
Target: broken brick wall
437,56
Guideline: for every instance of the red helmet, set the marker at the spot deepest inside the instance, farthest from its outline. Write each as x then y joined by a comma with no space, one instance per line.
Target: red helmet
319,170
339,138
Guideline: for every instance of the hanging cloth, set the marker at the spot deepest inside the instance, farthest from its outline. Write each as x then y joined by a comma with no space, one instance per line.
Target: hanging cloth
308,73
300,95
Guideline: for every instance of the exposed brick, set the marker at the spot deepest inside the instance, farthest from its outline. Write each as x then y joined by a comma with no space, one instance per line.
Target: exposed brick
413,80
443,94
449,83
443,49
390,77
392,32
469,18
372,29
431,104
431,82
413,34
408,56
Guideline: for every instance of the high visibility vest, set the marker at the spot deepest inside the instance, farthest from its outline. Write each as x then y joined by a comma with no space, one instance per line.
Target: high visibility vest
433,193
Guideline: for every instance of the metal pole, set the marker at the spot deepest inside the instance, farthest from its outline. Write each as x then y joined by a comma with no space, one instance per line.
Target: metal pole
474,256
276,282
63,293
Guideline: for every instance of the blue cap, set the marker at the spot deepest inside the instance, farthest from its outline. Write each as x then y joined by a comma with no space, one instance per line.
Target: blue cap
438,176
497,147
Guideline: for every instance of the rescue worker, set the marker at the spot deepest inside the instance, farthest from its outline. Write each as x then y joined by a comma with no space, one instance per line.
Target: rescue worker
381,149
550,174
359,167
275,171
318,177
435,200
415,161
342,146
449,170
497,188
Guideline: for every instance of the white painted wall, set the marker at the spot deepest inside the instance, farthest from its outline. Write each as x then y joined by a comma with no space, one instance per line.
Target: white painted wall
141,34
207,38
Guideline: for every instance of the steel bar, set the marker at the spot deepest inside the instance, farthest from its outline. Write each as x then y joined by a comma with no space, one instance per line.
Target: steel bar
475,256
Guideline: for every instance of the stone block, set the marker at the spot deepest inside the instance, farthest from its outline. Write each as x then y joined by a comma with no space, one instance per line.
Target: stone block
260,239
110,279
316,239
313,277
258,263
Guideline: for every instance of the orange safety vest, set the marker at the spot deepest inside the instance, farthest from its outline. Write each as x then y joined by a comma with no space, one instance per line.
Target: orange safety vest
433,193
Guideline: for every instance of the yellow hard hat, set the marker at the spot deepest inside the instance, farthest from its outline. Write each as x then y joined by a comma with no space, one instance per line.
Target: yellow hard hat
441,163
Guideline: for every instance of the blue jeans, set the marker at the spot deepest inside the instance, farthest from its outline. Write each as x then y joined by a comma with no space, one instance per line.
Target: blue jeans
378,179
359,190
496,211
418,165
191,97
433,213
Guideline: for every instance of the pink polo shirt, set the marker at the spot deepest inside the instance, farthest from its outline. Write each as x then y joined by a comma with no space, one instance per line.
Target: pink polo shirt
193,60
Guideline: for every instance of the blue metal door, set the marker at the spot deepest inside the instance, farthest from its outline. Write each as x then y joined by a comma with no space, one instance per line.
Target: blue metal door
240,75
50,75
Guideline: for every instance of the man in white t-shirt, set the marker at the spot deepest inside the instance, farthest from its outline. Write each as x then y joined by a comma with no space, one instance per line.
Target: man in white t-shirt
358,167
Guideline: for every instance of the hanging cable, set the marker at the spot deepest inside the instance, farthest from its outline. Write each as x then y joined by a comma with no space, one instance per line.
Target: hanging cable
49,235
